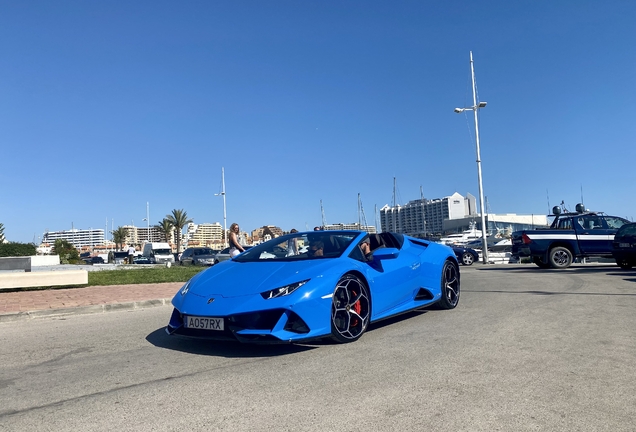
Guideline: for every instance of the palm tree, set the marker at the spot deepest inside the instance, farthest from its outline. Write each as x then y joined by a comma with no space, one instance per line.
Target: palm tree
178,219
119,236
67,252
165,227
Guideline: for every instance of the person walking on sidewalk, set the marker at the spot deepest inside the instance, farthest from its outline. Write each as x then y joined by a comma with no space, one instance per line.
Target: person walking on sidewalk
131,254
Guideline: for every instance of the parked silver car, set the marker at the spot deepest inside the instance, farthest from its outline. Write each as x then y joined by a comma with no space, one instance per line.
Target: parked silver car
198,256
224,255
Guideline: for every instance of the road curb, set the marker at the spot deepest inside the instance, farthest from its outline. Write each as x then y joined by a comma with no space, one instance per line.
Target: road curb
83,310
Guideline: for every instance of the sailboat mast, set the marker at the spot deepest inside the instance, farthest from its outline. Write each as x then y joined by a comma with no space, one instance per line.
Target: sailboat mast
322,212
394,187
362,219
375,217
423,201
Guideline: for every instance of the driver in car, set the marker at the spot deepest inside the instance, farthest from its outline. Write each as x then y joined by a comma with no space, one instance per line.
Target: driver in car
316,249
365,247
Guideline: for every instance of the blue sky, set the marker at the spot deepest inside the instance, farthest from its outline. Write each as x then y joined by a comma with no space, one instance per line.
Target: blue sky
105,106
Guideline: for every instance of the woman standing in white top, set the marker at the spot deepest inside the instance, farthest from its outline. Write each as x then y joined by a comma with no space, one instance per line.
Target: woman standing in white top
235,247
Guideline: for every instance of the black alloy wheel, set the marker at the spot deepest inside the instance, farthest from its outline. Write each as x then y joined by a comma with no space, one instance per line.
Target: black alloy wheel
560,257
625,264
350,309
450,286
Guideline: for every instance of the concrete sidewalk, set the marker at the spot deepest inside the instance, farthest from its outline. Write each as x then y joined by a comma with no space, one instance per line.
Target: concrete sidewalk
95,299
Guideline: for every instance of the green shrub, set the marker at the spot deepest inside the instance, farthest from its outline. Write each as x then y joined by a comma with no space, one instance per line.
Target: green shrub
14,249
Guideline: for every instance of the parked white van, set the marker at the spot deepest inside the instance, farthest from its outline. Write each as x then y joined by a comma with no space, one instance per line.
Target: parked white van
158,253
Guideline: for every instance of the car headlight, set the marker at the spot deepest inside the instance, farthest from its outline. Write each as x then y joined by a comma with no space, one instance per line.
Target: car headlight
186,287
283,291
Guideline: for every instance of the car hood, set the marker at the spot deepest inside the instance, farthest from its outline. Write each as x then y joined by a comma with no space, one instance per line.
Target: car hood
234,279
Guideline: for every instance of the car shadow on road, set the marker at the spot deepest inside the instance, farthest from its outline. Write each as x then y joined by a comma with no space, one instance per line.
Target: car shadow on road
229,349
374,326
235,349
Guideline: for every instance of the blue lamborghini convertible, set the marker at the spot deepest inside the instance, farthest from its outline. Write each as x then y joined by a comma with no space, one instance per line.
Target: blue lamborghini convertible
315,284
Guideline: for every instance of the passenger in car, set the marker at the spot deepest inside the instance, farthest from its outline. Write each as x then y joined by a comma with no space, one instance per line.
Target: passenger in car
292,244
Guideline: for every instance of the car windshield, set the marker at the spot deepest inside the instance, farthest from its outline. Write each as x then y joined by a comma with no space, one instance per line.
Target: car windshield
627,230
301,246
162,251
203,251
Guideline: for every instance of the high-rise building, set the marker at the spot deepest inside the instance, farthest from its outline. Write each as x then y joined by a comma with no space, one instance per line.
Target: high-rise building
205,234
426,216
140,235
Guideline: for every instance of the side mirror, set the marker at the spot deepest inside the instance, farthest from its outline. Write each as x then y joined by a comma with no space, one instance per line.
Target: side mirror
386,253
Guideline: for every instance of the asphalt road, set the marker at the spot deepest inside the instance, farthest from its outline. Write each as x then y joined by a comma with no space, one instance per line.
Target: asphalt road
526,349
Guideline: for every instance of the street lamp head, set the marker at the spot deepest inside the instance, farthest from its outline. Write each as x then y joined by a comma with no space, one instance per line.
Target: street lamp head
482,104
459,110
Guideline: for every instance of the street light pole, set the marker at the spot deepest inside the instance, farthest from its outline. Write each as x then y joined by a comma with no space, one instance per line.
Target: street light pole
224,208
474,108
147,219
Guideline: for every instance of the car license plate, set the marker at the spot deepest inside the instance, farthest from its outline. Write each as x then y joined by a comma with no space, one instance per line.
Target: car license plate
623,245
204,323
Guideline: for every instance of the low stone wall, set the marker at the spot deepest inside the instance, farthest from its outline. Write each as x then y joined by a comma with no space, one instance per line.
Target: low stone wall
45,260
12,280
15,263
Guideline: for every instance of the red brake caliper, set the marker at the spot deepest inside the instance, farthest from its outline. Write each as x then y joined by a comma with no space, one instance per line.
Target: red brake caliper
356,307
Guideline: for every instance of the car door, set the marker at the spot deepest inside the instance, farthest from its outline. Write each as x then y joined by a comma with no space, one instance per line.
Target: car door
593,235
186,257
393,281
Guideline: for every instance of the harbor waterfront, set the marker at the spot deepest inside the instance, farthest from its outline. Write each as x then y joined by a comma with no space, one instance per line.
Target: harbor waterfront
451,219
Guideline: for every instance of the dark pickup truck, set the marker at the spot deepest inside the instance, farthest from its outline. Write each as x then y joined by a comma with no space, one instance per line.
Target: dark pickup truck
571,235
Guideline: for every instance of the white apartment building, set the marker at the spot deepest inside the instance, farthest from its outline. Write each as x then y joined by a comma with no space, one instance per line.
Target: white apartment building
77,237
140,235
426,216
205,234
